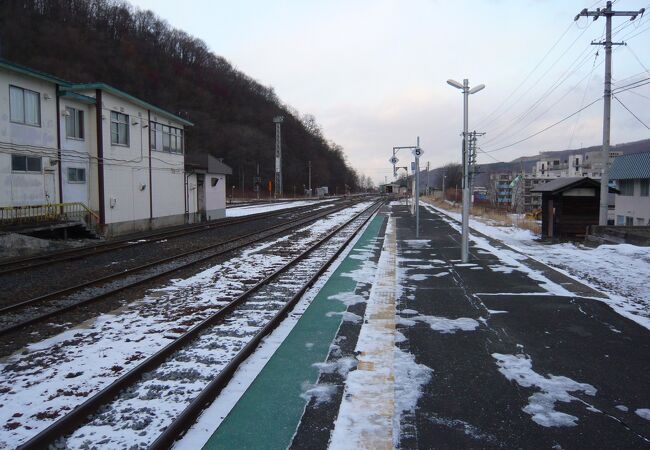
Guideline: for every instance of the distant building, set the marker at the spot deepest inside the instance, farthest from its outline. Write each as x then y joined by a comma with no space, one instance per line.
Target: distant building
587,164
500,191
632,175
119,156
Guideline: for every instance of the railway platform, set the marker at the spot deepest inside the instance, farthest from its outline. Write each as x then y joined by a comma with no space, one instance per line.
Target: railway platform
405,346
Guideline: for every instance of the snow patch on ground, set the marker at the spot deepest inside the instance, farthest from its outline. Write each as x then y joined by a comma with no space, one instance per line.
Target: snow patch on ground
621,271
410,378
257,209
442,324
321,393
346,316
348,298
644,413
552,389
342,366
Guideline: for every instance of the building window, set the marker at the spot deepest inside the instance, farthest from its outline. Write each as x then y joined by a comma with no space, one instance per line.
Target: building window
629,221
76,175
24,106
74,123
21,163
645,188
620,220
172,139
639,221
119,128
626,187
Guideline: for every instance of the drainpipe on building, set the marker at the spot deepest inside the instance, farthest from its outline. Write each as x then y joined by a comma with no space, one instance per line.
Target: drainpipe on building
100,155
58,144
150,177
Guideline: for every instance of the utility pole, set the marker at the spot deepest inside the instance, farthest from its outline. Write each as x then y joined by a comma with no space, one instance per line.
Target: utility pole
278,156
473,137
258,182
309,165
427,191
607,96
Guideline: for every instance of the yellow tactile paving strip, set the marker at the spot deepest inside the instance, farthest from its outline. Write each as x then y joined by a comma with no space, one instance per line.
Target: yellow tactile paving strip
365,419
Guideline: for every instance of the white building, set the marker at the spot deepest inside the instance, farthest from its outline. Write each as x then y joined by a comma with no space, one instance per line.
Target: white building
579,164
120,156
632,174
28,137
206,187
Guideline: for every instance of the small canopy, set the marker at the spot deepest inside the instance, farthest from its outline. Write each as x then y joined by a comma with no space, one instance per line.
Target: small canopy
205,163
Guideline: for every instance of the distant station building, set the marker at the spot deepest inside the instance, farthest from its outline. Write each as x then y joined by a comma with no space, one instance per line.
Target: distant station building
90,149
569,206
389,188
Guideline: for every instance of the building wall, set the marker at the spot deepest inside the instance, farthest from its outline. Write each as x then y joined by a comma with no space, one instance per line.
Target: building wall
635,207
168,173
126,167
28,188
215,196
77,153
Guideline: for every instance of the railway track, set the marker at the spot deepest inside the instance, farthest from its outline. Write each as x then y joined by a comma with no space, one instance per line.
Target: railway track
15,265
28,312
228,336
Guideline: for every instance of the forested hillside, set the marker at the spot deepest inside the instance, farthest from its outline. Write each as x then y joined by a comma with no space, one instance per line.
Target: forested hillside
110,41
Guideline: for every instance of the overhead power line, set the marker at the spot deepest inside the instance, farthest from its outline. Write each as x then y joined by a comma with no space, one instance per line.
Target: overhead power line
628,110
544,129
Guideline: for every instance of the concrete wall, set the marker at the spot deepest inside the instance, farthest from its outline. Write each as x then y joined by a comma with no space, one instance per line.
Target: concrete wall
633,206
32,188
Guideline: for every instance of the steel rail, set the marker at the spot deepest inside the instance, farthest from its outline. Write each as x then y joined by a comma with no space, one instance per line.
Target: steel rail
16,265
281,228
189,415
79,414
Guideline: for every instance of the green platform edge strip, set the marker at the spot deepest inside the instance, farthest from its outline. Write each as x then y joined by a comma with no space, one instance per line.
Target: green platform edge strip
267,415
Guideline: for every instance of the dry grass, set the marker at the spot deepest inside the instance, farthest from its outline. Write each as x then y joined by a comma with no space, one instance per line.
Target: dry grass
493,216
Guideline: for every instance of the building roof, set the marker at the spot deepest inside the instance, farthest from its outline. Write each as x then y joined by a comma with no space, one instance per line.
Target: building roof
117,92
32,72
67,89
631,166
78,97
205,162
562,184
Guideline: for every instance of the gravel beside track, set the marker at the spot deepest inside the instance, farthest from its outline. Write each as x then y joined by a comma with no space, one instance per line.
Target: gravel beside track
34,282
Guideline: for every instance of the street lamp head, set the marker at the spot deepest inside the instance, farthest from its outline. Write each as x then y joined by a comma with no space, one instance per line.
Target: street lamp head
278,119
454,83
475,89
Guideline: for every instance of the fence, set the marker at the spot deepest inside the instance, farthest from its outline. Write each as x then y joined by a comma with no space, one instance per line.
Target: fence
34,214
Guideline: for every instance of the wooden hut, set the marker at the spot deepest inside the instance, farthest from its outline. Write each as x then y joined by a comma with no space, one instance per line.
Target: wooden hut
569,206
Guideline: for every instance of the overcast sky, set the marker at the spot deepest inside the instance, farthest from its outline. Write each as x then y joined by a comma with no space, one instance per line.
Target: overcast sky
374,72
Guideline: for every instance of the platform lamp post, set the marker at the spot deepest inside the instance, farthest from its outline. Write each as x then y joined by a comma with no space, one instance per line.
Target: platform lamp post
464,250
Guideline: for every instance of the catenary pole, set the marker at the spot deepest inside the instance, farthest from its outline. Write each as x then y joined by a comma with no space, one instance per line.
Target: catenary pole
278,156
607,96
